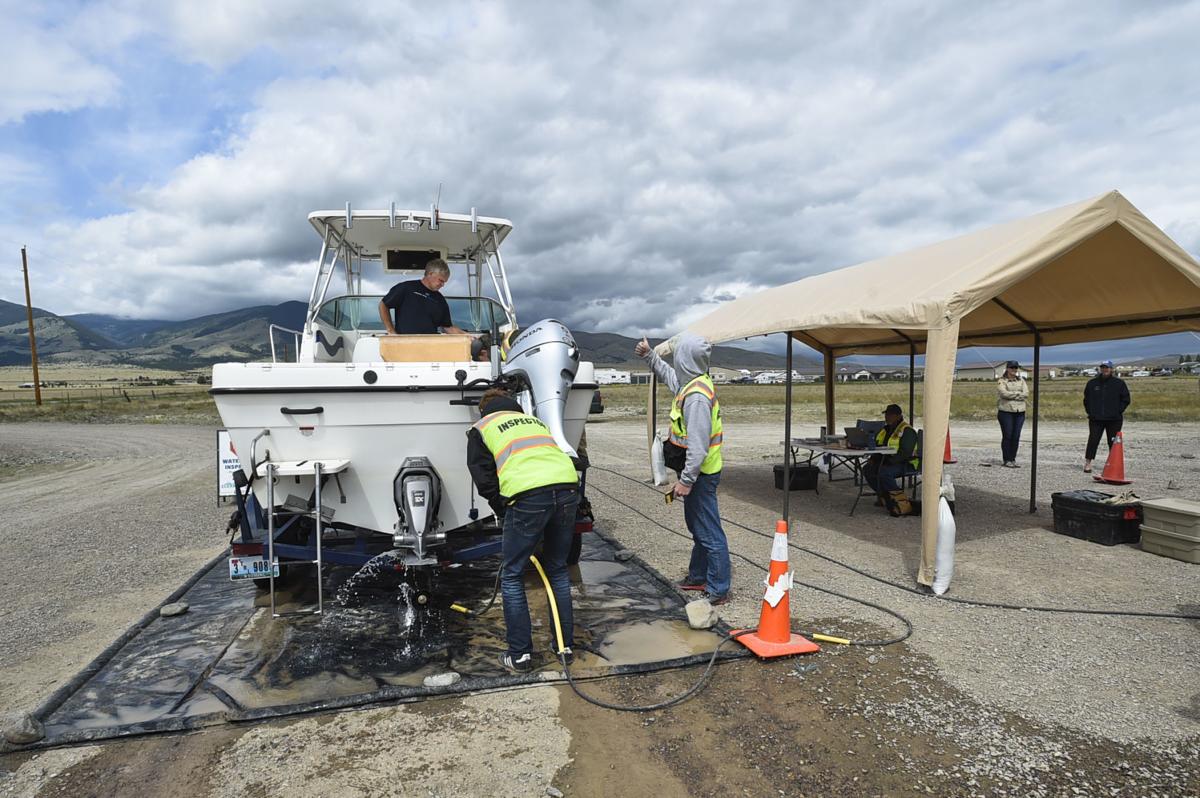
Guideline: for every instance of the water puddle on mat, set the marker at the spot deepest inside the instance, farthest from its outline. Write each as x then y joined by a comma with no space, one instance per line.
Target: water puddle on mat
384,628
655,640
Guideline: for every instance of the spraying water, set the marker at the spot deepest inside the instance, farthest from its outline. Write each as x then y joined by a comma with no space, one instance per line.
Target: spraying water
385,581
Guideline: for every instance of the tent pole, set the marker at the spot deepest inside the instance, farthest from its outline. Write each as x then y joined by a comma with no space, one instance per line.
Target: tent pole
653,404
829,364
912,365
787,436
1037,379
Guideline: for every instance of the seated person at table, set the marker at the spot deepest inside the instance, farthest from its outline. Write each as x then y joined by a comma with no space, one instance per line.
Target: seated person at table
419,305
883,472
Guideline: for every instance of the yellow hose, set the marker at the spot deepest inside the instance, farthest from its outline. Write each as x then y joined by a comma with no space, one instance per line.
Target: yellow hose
553,604
460,608
827,639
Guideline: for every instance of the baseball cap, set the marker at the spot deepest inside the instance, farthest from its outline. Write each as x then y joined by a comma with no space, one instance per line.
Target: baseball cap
1012,364
893,409
1106,363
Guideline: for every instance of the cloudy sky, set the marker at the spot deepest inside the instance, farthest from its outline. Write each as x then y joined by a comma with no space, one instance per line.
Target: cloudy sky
159,158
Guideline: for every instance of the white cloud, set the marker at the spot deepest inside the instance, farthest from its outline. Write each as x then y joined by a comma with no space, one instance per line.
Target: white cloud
652,161
46,71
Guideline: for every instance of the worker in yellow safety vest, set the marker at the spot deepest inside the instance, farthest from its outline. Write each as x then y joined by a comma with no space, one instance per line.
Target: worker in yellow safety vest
883,472
533,486
693,450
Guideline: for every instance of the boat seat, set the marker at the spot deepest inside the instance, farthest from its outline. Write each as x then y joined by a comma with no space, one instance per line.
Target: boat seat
424,348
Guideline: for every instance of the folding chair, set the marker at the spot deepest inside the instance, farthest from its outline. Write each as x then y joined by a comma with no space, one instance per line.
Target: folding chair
912,476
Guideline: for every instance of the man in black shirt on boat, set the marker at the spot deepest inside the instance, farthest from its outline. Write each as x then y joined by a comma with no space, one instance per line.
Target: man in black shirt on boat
420,308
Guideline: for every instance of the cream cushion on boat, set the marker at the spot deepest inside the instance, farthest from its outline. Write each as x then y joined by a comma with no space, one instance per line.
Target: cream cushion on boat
424,348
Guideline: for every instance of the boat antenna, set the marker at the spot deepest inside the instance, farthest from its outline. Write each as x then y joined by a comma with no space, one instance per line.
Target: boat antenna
433,210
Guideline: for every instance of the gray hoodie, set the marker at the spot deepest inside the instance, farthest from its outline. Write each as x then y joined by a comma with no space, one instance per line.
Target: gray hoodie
691,360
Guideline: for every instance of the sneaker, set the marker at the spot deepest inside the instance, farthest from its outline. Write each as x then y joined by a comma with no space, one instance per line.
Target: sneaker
715,600
688,584
568,655
522,663
1009,464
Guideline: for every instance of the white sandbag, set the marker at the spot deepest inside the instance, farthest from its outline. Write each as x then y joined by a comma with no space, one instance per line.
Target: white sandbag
822,464
947,488
658,467
947,530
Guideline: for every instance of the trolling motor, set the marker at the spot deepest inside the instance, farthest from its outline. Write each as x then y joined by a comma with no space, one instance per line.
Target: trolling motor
545,357
417,490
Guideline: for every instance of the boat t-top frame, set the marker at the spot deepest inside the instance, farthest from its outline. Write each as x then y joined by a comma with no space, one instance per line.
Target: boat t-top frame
349,237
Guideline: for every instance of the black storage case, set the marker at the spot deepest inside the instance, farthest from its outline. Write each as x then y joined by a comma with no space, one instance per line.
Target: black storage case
804,477
1080,514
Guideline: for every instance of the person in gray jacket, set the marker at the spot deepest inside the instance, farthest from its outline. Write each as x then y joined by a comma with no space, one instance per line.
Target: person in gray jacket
696,436
1011,393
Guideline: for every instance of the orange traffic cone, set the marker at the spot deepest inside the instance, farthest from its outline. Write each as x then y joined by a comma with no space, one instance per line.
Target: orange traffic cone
774,636
948,457
1114,466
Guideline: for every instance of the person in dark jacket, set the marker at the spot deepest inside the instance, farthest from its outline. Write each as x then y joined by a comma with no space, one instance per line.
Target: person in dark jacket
1104,400
883,473
532,484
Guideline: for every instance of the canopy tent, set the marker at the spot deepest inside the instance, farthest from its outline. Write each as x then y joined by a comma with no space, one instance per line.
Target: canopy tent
1093,270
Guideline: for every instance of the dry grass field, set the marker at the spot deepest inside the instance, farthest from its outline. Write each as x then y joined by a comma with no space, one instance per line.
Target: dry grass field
114,393
1171,399
83,393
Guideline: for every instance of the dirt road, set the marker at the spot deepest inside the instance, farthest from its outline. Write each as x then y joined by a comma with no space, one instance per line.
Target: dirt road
965,707
102,523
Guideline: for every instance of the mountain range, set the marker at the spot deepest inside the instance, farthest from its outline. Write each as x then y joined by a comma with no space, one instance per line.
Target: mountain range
241,335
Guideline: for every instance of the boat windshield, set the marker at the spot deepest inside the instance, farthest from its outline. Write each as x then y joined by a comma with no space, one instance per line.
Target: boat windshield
356,312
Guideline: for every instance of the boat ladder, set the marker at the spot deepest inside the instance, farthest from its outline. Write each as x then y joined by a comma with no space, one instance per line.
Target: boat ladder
318,469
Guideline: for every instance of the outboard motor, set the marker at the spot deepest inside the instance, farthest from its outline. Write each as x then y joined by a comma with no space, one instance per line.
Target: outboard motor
417,490
545,356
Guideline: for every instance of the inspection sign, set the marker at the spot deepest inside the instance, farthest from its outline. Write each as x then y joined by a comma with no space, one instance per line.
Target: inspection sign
227,465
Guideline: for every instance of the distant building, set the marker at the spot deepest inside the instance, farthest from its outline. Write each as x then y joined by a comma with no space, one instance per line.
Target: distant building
975,373
723,375
612,377
997,371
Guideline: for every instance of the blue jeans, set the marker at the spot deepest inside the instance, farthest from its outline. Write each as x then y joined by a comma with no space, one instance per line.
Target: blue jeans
883,478
547,518
710,552
1010,433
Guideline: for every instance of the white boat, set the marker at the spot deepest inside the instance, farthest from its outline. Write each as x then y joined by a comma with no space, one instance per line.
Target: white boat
383,418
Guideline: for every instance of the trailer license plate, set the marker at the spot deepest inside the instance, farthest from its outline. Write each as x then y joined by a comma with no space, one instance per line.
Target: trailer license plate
250,568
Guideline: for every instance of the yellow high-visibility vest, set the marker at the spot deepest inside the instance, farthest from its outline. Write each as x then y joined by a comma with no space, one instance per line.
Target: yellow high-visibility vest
893,442
526,455
678,436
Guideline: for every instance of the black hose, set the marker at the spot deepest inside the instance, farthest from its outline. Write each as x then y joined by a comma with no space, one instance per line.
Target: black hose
670,702
476,613
923,593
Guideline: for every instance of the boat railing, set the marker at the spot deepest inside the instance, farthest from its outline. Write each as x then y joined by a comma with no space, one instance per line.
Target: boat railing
295,341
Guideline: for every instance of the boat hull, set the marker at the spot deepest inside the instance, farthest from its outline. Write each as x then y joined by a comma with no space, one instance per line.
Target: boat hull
373,414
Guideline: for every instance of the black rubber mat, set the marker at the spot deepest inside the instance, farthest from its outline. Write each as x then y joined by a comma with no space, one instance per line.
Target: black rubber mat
382,633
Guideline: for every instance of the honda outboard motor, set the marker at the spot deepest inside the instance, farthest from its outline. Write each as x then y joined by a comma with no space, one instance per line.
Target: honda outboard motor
418,493
545,356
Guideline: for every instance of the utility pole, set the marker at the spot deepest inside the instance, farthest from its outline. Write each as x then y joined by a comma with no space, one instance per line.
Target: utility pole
37,383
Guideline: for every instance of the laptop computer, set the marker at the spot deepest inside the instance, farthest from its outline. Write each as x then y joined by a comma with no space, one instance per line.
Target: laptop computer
859,438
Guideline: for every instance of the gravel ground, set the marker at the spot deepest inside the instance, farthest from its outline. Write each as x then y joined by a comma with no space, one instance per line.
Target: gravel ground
977,702
1118,678
108,523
